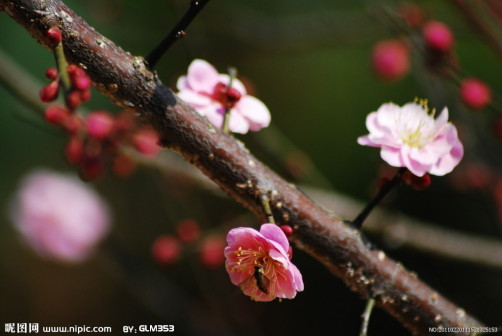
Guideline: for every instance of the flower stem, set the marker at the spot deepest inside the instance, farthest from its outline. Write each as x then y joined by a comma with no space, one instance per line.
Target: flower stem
358,222
176,33
366,316
62,65
232,73
265,203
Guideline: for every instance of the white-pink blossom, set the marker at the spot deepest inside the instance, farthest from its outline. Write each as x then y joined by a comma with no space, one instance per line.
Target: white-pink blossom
208,92
59,216
410,137
259,263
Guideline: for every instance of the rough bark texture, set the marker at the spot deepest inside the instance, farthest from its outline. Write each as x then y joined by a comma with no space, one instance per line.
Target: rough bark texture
127,80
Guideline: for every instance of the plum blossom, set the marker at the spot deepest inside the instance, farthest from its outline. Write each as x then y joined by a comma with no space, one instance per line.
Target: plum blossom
259,263
59,216
208,92
410,137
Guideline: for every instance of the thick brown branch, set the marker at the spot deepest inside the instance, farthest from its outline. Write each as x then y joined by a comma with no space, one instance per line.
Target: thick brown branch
128,82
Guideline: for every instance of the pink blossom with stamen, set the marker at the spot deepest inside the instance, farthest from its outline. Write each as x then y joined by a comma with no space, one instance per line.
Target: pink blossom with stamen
410,137
208,92
259,263
59,216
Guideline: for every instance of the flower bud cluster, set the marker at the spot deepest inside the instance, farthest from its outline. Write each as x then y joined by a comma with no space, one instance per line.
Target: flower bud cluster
80,87
99,136
391,59
95,139
168,249
78,92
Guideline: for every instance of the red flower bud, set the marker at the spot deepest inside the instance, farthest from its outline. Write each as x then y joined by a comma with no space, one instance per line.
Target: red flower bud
146,141
416,182
78,77
287,229
53,37
475,93
74,150
166,250
50,92
390,59
51,73
85,95
73,123
56,114
82,83
438,36
73,100
99,124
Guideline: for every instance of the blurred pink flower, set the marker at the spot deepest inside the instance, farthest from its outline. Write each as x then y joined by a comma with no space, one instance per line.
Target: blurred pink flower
208,93
259,263
410,137
59,216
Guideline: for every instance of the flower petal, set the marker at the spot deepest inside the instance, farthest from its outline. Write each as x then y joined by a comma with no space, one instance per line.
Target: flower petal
449,161
194,99
202,76
415,167
255,112
237,123
392,156
366,141
182,83
273,232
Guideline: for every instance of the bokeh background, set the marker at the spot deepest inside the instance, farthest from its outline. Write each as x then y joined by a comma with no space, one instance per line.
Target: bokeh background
309,61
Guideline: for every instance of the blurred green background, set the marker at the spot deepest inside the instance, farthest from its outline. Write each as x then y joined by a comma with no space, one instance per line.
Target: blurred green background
309,61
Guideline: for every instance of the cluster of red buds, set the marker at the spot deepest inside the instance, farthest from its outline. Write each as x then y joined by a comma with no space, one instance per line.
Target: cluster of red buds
78,92
50,92
97,139
391,58
416,182
167,250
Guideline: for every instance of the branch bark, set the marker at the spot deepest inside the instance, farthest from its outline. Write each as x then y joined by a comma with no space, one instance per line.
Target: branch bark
126,80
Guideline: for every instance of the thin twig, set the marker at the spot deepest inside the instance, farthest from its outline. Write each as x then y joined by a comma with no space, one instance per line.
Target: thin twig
19,83
481,17
366,317
386,188
178,32
232,73
265,203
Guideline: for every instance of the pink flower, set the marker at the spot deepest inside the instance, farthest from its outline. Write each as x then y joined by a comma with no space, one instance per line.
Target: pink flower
59,216
208,93
259,263
410,137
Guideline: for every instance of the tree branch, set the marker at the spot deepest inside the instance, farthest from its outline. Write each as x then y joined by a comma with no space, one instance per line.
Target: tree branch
478,13
126,80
